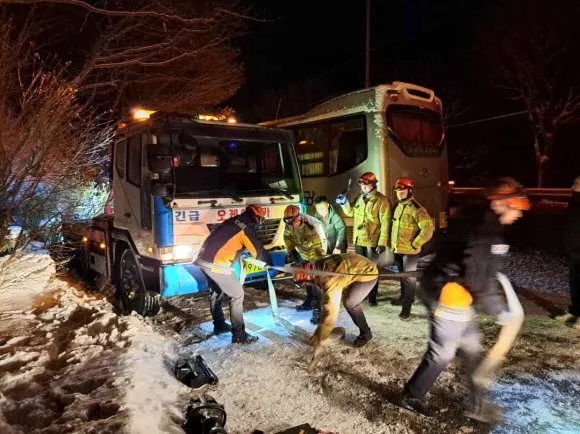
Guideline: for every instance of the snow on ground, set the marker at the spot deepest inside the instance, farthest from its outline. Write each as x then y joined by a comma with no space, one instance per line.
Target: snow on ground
265,386
69,364
534,269
540,405
24,277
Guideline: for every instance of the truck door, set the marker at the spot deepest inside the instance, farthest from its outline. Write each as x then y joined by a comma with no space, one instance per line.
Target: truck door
127,186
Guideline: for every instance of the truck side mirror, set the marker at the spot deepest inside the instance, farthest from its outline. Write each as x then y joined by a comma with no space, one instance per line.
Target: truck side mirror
159,158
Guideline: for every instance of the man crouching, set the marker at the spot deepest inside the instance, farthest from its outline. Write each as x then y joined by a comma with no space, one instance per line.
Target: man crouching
358,277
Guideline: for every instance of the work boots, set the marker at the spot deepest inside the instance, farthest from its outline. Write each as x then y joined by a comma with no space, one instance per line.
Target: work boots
414,404
304,306
243,338
315,316
221,328
405,314
363,339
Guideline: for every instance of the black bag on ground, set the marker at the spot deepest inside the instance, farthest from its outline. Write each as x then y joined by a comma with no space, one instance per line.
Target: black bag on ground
194,372
205,416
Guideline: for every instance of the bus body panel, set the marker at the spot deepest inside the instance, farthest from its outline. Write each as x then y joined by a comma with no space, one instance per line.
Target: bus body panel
380,107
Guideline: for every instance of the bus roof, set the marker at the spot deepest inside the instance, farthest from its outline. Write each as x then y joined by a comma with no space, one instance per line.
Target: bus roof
203,128
369,100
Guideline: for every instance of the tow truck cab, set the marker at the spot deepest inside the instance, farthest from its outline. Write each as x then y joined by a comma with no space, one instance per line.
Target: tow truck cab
175,179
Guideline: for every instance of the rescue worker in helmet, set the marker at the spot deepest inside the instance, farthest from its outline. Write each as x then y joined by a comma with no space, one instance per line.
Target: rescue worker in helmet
305,240
334,226
372,221
222,248
463,273
352,288
411,228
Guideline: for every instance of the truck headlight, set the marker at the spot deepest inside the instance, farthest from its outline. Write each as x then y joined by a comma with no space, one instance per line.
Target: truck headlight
177,253
182,252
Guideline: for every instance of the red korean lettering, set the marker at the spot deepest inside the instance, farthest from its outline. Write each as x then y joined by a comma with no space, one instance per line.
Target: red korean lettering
221,215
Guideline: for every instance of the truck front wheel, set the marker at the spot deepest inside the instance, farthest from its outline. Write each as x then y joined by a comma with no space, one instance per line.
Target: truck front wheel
133,293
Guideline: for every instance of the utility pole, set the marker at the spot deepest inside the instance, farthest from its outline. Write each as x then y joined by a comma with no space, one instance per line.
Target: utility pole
368,47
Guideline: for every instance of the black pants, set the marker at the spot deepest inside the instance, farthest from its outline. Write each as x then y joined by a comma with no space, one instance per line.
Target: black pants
313,297
447,337
574,268
352,299
409,284
226,287
370,253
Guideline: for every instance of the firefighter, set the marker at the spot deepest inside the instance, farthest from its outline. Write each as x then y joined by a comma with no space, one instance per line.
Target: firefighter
305,240
463,273
361,277
372,220
334,226
411,228
219,251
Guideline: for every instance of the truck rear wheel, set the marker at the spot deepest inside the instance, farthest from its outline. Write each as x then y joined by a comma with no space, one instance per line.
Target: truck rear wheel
133,293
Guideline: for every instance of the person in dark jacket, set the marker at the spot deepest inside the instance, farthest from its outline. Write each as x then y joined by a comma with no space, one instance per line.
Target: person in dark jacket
463,273
222,248
572,241
334,226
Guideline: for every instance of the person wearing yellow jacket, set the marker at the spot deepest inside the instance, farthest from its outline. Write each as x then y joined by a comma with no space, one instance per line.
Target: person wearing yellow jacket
361,275
305,240
372,221
411,228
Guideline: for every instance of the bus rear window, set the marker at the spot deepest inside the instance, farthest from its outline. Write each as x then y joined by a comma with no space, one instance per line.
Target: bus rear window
418,132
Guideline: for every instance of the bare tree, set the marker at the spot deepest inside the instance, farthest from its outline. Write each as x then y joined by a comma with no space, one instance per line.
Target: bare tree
533,47
171,55
50,144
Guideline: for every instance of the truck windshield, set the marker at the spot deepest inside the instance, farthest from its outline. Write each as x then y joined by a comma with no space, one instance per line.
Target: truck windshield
238,168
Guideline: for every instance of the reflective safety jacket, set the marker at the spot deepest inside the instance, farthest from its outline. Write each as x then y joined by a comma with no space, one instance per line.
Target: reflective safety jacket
335,230
226,243
309,239
356,268
372,219
411,228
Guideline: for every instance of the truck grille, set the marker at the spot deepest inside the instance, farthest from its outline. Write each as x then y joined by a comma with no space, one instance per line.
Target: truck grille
266,231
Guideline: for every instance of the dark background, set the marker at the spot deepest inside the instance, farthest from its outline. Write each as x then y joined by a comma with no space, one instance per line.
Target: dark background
309,51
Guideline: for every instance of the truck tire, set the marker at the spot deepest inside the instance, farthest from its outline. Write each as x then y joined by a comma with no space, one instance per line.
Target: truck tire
134,295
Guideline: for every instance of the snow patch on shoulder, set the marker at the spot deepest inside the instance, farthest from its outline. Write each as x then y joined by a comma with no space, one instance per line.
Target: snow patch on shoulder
153,388
24,277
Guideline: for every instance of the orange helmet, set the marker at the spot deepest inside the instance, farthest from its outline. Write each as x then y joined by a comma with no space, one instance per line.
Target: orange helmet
404,183
291,213
259,211
511,191
368,178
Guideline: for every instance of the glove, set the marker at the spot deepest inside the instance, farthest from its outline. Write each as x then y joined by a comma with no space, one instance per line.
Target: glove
505,318
292,257
341,199
380,249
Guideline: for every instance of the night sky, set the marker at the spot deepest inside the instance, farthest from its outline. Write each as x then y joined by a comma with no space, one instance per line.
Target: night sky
432,43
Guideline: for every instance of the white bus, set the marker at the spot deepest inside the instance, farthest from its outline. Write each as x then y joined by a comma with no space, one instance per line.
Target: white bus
393,130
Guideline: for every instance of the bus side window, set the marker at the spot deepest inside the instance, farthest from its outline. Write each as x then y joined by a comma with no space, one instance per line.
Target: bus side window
311,146
348,144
